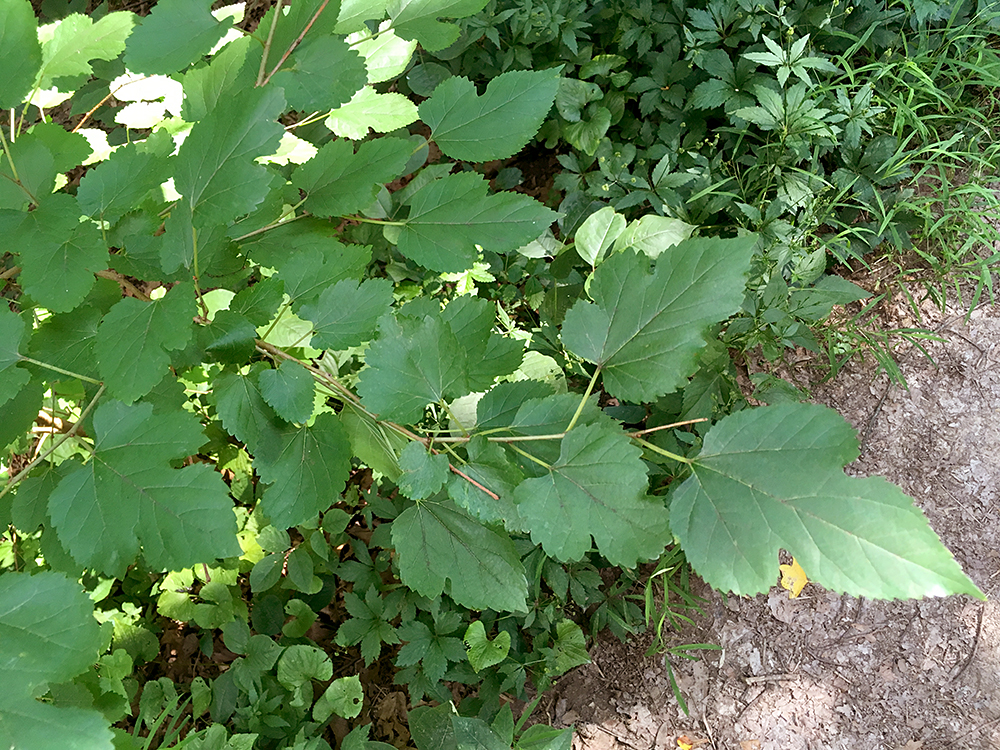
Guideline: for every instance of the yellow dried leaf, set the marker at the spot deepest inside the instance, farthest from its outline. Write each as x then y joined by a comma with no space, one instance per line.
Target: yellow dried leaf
793,578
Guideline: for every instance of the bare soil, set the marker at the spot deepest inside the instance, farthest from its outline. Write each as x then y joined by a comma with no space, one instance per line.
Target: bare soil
825,671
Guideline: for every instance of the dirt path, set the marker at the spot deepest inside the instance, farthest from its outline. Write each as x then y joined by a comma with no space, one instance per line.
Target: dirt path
829,672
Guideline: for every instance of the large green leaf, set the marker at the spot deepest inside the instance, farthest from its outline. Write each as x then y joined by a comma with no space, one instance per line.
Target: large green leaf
338,181
418,19
175,34
20,53
596,488
68,47
346,313
289,390
442,550
59,254
772,478
307,471
12,377
128,495
134,338
322,74
644,330
495,125
409,366
369,109
313,270
229,71
450,216
214,169
113,188
244,411
48,634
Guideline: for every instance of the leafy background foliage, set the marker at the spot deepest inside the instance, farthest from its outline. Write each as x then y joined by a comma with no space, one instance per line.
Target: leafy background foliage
327,383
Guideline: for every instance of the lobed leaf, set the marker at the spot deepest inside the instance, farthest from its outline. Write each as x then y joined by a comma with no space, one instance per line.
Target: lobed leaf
20,52
175,34
772,478
644,330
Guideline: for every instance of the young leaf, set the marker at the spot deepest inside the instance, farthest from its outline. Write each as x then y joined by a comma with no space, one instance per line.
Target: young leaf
214,169
322,74
129,496
346,313
653,234
382,113
77,40
386,56
598,233
495,125
596,488
418,19
338,181
771,478
343,697
450,216
442,550
175,34
644,330
134,338
423,473
483,652
289,390
307,471
20,53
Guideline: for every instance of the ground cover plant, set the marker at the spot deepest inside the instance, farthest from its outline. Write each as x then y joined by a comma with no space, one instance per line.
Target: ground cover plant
297,388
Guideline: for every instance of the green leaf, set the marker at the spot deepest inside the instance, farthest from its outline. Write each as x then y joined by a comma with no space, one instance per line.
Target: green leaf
450,216
442,550
337,181
440,728
410,368
322,74
299,665
376,445
77,40
245,413
598,233
259,302
25,722
289,390
346,313
307,471
644,330
488,465
229,338
113,188
134,338
569,649
67,341
175,34
12,377
495,125
20,410
128,495
343,697
771,478
653,234
357,739
59,254
229,71
312,270
542,737
483,652
596,488
20,53
423,473
382,113
47,630
214,169
418,19
386,56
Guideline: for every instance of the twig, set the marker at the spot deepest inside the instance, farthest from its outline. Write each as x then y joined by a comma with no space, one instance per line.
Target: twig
298,40
125,284
71,433
770,678
473,482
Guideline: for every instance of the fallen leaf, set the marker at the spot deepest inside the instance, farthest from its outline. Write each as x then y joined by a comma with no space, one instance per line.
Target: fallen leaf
686,743
750,745
793,578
